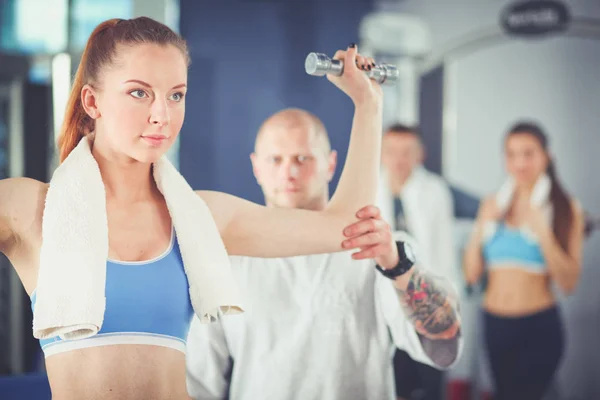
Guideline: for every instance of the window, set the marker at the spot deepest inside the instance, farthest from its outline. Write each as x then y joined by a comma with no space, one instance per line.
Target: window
33,26
42,26
87,14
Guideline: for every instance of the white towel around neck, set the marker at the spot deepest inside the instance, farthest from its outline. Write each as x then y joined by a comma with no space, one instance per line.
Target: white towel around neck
540,198
540,195
72,274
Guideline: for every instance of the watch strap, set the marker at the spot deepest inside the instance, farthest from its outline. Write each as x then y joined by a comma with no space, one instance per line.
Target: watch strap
403,266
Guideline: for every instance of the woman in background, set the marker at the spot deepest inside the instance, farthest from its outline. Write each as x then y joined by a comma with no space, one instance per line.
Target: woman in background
528,237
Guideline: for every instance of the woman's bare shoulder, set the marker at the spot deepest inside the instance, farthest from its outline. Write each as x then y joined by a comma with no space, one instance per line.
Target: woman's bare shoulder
22,189
21,201
221,205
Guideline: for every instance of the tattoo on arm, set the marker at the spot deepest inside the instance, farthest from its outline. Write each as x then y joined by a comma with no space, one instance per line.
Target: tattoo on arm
429,305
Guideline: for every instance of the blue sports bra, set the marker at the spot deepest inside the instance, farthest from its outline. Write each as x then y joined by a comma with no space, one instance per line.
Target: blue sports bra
147,302
513,247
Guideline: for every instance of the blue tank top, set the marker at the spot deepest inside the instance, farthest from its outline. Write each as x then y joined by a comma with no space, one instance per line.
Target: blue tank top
513,247
147,302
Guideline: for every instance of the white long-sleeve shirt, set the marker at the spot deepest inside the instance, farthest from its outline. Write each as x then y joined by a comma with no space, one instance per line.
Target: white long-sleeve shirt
429,213
320,327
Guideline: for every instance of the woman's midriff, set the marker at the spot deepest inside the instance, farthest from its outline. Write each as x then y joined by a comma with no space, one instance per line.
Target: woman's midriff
514,292
132,372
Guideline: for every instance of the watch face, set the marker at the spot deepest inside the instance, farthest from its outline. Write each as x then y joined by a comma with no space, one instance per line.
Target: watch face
410,254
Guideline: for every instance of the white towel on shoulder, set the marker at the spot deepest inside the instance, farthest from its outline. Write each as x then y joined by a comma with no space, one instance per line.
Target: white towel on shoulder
540,197
72,274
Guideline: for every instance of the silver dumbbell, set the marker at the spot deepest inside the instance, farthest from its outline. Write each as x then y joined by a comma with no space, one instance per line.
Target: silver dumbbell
318,64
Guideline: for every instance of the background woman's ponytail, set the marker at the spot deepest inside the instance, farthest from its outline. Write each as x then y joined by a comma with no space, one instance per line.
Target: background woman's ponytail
561,203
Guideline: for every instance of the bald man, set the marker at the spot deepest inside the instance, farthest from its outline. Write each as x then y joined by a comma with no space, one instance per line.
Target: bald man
292,161
321,326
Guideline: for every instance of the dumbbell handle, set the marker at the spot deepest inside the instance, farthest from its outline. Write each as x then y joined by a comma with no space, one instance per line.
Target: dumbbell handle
318,64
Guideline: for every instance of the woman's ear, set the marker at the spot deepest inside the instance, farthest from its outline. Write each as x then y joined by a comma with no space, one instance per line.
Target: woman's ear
89,101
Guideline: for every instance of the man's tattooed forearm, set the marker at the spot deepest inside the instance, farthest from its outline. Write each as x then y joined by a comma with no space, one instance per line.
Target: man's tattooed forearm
428,304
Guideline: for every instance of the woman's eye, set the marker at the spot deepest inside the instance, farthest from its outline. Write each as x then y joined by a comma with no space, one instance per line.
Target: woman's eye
177,96
138,93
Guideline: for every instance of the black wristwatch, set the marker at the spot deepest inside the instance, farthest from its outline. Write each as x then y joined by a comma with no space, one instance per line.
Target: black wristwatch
407,259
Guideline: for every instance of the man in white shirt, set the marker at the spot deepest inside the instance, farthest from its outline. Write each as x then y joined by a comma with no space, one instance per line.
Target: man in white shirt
320,326
419,202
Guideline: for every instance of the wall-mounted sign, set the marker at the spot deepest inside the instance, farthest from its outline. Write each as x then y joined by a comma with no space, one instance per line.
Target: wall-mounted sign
535,18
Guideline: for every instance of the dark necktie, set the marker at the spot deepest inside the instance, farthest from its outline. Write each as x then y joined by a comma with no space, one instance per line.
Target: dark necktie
399,217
